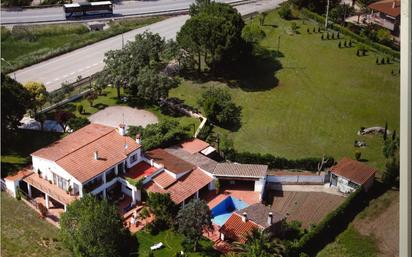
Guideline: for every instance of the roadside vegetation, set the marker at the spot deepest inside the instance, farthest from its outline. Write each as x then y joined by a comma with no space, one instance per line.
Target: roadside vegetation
23,233
26,45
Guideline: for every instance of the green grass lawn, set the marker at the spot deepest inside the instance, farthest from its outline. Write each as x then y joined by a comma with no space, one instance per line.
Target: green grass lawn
351,244
315,103
23,47
23,233
172,244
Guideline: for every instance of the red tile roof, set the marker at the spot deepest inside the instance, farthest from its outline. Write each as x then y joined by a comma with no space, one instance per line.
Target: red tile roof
353,170
140,170
170,162
184,187
164,180
388,7
73,142
236,229
111,149
240,170
26,171
194,145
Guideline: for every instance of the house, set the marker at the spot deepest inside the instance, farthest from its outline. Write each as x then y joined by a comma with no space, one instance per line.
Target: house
256,216
386,13
348,175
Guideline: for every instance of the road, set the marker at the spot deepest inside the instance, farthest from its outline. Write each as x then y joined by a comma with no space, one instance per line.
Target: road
88,60
124,8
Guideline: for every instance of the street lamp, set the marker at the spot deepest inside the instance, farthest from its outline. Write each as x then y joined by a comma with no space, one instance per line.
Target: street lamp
14,73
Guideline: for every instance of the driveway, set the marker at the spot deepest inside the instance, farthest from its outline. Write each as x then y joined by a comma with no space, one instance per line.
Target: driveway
115,115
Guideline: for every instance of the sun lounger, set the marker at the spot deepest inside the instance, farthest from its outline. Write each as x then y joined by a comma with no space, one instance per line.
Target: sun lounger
156,246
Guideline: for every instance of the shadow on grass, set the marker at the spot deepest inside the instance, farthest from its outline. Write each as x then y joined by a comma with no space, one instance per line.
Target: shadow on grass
100,106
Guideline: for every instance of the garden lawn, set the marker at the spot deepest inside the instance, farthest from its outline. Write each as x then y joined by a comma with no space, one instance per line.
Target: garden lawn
23,47
172,244
322,97
23,233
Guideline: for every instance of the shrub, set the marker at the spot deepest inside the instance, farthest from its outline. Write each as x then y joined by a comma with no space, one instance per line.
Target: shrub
345,44
308,30
377,60
76,123
338,35
383,61
350,42
293,26
43,210
285,12
333,35
322,37
79,108
358,155
357,52
387,60
314,30
340,44
327,36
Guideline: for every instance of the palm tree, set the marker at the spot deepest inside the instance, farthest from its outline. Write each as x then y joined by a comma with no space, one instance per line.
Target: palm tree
260,244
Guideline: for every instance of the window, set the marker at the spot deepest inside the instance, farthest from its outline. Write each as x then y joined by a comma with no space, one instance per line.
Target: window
111,174
120,168
133,158
60,182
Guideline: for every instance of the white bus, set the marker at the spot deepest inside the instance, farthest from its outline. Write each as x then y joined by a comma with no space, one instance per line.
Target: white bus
88,9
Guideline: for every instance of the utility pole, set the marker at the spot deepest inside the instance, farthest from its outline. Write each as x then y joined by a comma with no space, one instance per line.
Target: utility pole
327,14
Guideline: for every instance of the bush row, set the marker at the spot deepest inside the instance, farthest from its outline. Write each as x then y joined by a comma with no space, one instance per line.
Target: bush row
275,162
333,224
384,49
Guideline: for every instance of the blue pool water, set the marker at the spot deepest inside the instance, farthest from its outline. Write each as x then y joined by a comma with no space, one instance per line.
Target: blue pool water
222,211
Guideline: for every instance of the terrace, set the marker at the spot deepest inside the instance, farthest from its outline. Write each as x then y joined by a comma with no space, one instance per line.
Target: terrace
139,171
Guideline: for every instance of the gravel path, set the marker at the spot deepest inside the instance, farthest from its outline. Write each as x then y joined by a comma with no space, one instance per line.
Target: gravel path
115,115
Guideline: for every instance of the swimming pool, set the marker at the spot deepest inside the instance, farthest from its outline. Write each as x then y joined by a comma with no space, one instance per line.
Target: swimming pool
222,211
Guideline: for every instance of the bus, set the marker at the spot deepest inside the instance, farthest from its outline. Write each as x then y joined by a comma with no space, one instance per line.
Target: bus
78,10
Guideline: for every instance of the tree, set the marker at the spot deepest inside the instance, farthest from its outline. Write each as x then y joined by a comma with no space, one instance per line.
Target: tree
91,97
391,173
358,155
38,94
79,108
62,117
15,101
218,107
285,12
162,134
214,32
76,123
340,44
260,244
253,33
92,227
193,219
384,36
163,208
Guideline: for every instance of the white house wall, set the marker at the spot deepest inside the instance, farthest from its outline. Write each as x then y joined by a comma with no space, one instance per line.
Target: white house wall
298,179
139,158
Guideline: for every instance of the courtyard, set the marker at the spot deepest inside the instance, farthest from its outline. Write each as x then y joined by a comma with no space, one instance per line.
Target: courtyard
114,115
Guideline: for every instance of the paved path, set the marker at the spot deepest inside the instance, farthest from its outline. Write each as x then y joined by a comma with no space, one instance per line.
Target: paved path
88,60
309,188
115,115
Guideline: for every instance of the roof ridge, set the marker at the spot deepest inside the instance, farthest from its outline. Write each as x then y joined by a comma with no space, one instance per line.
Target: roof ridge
77,149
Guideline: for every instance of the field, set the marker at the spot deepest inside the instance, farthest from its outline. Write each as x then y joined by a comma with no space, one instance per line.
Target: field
313,101
173,244
374,232
24,46
23,233
307,207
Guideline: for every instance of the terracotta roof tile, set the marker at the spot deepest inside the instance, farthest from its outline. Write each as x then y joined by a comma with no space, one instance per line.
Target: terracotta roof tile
170,162
196,159
26,171
259,213
164,180
236,229
194,145
184,187
240,170
140,170
386,6
353,170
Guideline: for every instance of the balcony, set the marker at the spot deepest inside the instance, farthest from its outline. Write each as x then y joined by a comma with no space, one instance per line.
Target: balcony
110,176
92,185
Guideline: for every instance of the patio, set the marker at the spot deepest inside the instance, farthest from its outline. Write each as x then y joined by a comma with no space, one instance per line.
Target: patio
212,199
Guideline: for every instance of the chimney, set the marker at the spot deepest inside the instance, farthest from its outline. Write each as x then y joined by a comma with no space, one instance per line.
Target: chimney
96,155
393,4
139,139
244,217
151,162
122,129
270,218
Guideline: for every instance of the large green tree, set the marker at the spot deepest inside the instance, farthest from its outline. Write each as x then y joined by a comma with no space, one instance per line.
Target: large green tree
260,244
214,30
219,108
193,219
38,94
15,101
92,227
162,207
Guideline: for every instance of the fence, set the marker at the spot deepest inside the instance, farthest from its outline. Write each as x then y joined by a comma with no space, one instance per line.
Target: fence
297,179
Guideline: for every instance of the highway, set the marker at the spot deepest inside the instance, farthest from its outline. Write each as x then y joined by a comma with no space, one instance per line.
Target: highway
121,9
88,60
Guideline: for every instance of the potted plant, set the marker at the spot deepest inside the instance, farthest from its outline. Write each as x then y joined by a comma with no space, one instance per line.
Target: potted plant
217,186
69,190
39,173
51,182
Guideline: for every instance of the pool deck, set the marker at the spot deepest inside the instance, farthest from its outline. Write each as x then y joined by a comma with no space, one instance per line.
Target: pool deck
249,197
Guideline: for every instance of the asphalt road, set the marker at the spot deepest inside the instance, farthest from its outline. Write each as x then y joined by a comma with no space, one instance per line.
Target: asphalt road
124,8
88,60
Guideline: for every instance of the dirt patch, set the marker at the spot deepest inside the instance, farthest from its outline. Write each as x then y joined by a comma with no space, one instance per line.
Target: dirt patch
115,115
306,207
382,223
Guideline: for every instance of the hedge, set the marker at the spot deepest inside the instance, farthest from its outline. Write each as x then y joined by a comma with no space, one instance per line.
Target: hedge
274,162
384,49
333,224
